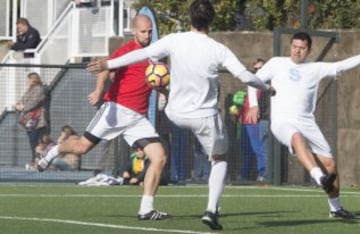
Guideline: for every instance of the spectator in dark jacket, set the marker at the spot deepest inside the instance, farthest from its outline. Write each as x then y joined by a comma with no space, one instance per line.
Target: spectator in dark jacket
28,37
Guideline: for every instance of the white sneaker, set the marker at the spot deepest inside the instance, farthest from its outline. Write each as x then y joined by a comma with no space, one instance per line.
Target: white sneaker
43,163
260,178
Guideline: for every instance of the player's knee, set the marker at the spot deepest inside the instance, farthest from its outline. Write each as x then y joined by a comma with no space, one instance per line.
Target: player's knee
156,153
296,137
158,161
330,166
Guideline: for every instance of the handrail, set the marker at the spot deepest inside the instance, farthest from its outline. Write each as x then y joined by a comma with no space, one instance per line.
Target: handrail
68,8
9,54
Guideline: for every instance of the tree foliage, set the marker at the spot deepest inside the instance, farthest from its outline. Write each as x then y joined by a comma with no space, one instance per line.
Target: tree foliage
224,19
321,14
262,14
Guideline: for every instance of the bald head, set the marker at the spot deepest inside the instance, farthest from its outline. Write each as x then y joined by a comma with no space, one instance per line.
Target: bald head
142,29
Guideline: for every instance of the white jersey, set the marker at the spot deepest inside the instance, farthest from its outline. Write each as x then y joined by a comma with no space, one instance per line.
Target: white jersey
296,85
195,60
293,106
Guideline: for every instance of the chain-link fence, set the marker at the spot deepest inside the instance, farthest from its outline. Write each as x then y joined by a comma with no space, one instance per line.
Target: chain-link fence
68,87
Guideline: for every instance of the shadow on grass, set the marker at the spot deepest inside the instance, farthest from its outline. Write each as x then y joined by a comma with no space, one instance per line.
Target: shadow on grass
222,215
263,214
298,223
306,222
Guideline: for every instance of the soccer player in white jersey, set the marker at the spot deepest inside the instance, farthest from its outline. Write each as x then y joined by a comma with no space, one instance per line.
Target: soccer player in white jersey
292,112
194,89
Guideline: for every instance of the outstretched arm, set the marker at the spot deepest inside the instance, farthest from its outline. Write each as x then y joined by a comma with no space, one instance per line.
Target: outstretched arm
122,61
348,63
252,80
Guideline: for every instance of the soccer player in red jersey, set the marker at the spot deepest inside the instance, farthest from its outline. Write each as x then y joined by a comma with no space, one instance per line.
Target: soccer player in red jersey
124,113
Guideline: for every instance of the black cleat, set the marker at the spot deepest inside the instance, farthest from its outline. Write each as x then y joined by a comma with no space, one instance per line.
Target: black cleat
217,212
327,182
211,220
154,215
342,213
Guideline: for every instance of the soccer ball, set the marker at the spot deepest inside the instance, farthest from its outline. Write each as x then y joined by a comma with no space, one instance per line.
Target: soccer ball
157,75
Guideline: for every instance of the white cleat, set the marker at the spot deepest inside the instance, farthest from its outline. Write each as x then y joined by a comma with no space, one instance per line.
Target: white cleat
43,164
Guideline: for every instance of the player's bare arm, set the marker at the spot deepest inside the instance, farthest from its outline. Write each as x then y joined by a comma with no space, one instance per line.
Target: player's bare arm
97,66
95,96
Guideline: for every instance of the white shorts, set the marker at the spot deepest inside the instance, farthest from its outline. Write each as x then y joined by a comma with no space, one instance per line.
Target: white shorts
210,132
284,128
113,119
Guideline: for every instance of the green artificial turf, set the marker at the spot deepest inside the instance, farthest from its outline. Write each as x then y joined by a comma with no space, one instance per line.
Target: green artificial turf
44,209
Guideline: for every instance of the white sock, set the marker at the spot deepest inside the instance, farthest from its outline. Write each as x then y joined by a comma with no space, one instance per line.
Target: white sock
52,154
147,204
316,173
216,184
334,203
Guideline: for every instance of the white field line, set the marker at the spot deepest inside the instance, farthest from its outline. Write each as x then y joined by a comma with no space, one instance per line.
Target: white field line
316,193
290,189
172,196
103,225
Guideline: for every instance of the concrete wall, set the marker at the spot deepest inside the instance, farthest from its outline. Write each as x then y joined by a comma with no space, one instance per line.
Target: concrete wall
348,109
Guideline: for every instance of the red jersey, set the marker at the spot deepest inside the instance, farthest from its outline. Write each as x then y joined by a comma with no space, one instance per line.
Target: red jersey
129,87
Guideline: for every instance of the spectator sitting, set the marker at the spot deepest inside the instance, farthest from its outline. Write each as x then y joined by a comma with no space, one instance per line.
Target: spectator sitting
68,161
27,37
44,142
134,171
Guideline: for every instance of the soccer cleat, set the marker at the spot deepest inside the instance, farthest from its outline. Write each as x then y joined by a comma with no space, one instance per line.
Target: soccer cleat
327,182
211,220
217,212
342,213
43,163
154,215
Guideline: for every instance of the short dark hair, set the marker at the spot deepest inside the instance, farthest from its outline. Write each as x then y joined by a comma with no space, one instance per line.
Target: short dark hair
259,60
202,14
23,21
304,37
